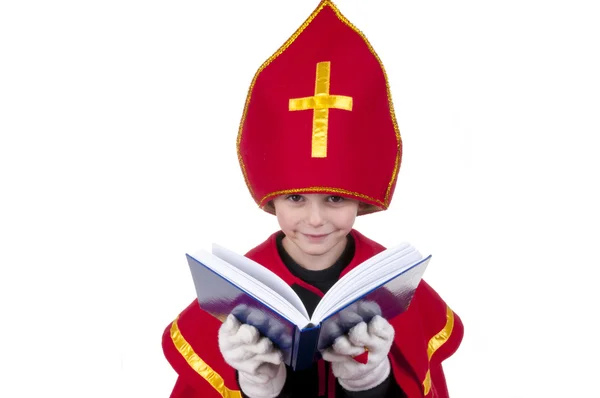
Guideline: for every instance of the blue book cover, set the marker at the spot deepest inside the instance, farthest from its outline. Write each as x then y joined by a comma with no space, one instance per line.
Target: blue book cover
383,285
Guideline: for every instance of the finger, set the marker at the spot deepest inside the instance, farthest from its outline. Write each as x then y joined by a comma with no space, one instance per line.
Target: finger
273,357
381,328
243,359
343,345
285,341
230,326
350,316
376,337
240,311
227,333
331,356
262,346
359,335
245,335
368,309
257,319
333,328
240,354
275,328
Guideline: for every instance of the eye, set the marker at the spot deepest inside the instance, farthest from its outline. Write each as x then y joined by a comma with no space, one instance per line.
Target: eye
335,199
294,198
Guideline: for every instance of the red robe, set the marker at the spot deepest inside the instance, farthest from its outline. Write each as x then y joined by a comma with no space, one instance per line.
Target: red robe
426,334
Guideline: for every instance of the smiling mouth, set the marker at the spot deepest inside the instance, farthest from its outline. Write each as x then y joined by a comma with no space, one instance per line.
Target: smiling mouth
316,236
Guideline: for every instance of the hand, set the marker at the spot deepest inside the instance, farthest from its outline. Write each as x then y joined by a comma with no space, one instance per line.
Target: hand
260,367
359,359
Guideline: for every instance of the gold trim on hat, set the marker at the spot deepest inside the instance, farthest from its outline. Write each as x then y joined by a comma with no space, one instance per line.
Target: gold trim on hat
341,192
289,42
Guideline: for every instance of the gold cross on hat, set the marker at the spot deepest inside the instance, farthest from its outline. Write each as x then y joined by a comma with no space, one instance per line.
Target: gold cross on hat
321,102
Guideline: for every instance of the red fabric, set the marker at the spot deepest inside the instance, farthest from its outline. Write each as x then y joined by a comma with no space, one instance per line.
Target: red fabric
425,317
182,390
322,379
331,384
362,358
200,330
363,145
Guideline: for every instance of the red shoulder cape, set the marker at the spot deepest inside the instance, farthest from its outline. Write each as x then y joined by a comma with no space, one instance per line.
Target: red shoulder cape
426,334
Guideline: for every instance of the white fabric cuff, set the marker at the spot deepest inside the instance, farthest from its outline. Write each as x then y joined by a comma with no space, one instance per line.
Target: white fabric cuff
253,388
369,380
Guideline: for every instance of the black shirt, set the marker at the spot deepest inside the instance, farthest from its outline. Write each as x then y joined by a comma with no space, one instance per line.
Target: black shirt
305,383
322,280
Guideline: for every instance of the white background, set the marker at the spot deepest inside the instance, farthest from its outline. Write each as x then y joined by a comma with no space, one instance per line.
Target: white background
118,122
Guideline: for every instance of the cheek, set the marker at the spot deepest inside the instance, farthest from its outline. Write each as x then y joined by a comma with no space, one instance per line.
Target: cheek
285,222
347,220
349,223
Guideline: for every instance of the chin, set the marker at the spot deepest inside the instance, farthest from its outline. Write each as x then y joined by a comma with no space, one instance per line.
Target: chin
318,248
316,251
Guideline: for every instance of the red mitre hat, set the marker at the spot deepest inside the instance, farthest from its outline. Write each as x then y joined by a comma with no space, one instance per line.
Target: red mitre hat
319,118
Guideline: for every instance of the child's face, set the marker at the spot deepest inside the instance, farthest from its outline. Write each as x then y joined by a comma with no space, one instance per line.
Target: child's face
315,223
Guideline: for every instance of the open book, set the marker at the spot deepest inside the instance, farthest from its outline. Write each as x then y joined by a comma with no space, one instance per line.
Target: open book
227,282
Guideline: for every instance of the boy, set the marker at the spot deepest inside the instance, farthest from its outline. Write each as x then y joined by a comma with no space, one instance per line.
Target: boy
318,146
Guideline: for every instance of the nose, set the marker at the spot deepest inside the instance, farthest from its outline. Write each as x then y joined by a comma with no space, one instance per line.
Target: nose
315,215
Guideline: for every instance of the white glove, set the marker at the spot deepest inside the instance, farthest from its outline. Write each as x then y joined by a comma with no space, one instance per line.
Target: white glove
364,343
260,367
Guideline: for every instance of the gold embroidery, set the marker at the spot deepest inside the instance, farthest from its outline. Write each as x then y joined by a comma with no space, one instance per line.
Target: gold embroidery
201,367
436,342
321,102
427,382
443,335
279,52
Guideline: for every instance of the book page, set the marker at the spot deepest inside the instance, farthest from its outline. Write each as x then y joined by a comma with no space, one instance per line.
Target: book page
365,277
388,299
370,268
251,286
261,274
